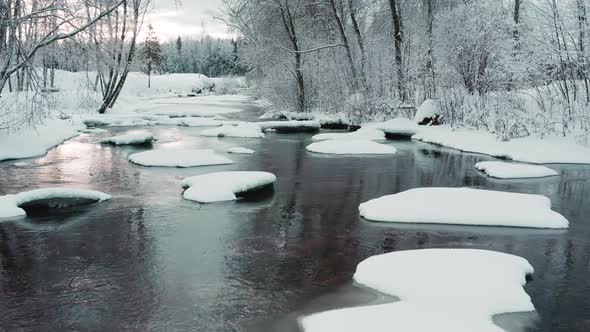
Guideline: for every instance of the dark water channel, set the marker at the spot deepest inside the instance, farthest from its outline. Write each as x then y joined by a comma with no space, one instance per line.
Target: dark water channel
150,260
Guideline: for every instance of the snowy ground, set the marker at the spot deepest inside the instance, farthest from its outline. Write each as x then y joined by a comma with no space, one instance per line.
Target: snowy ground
137,106
31,142
529,149
464,206
456,290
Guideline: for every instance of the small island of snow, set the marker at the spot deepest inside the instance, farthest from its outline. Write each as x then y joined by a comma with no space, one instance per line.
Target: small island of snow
224,186
464,206
179,158
456,290
503,170
131,138
351,147
15,205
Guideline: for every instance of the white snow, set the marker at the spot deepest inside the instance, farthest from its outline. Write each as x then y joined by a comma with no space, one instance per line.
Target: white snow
128,120
457,290
428,109
131,138
20,164
397,127
464,206
93,131
246,130
350,147
223,186
241,150
529,149
179,158
199,122
201,111
503,170
31,142
10,204
370,134
308,125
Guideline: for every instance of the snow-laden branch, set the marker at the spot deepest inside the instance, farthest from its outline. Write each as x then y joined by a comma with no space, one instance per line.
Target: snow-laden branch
315,49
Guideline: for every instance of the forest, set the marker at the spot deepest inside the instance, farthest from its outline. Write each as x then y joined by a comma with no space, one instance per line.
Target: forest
512,67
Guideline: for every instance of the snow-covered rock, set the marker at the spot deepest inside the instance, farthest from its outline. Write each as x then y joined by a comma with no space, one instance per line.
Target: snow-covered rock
529,149
457,290
246,130
131,138
400,127
10,205
239,150
464,206
428,109
179,158
32,142
224,186
290,126
370,134
350,147
503,170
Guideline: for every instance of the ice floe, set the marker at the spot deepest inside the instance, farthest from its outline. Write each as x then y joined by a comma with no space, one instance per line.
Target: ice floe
246,130
12,205
503,170
240,150
457,290
131,138
224,186
464,206
199,122
179,158
350,147
93,131
370,134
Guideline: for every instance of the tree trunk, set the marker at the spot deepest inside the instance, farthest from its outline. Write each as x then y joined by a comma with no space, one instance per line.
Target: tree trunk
398,39
582,58
430,86
289,25
344,40
361,42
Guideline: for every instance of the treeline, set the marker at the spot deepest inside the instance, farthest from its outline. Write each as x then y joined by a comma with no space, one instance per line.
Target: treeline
511,66
213,57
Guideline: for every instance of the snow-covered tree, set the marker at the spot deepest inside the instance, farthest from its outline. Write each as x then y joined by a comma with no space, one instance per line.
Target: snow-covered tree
151,53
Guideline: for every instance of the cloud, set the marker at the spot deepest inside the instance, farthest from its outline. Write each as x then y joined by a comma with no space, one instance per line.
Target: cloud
191,18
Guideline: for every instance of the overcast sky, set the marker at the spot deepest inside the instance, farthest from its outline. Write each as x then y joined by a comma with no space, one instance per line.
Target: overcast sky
188,19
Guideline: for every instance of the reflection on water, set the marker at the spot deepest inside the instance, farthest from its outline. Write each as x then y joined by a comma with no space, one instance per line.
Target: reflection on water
148,259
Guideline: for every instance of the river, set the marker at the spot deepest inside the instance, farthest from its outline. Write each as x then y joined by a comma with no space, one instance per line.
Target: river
150,260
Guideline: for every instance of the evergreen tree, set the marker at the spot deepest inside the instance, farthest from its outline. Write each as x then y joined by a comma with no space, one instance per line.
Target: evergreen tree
179,63
151,52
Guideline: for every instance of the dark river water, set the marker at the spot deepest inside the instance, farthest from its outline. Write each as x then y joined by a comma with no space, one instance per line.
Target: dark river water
150,260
